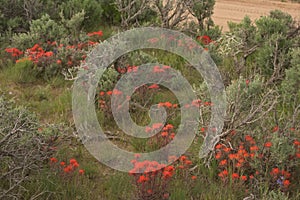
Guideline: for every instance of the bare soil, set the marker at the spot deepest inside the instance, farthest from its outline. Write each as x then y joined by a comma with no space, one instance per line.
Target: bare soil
235,10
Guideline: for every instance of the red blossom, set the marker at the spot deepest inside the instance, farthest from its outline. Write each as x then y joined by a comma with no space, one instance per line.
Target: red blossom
154,86
286,183
53,160
235,176
268,144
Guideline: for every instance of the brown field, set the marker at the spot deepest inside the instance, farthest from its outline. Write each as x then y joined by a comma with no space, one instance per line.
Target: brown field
235,10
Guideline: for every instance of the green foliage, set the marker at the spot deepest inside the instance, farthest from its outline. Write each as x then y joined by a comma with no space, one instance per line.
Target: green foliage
276,22
263,46
203,10
13,16
46,29
17,15
275,195
110,15
272,37
290,85
92,9
41,30
108,79
244,94
22,72
23,149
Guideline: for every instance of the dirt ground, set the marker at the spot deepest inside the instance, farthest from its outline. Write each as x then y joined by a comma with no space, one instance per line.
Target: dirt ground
235,10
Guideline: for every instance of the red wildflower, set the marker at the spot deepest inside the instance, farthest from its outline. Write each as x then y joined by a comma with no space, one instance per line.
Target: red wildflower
109,93
166,195
49,54
143,179
182,158
75,165
72,161
205,39
62,164
226,150
232,156
157,69
98,33
117,92
218,146
68,169
244,178
58,61
170,168
218,155
169,126
53,160
286,174
157,126
296,143
268,144
276,128
187,162
247,82
164,134
154,86
148,129
167,174
81,171
238,165
14,52
286,183
223,174
275,171
168,104
223,162
254,148
194,177
235,176
248,138
172,136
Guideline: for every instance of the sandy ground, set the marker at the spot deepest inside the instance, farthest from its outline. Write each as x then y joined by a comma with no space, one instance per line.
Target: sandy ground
235,10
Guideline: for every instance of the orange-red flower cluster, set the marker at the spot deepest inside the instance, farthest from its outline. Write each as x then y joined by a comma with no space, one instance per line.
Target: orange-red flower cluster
151,177
204,39
14,52
73,165
97,33
167,105
36,53
159,69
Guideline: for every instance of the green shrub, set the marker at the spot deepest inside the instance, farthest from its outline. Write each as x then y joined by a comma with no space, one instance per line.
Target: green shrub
23,146
92,8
